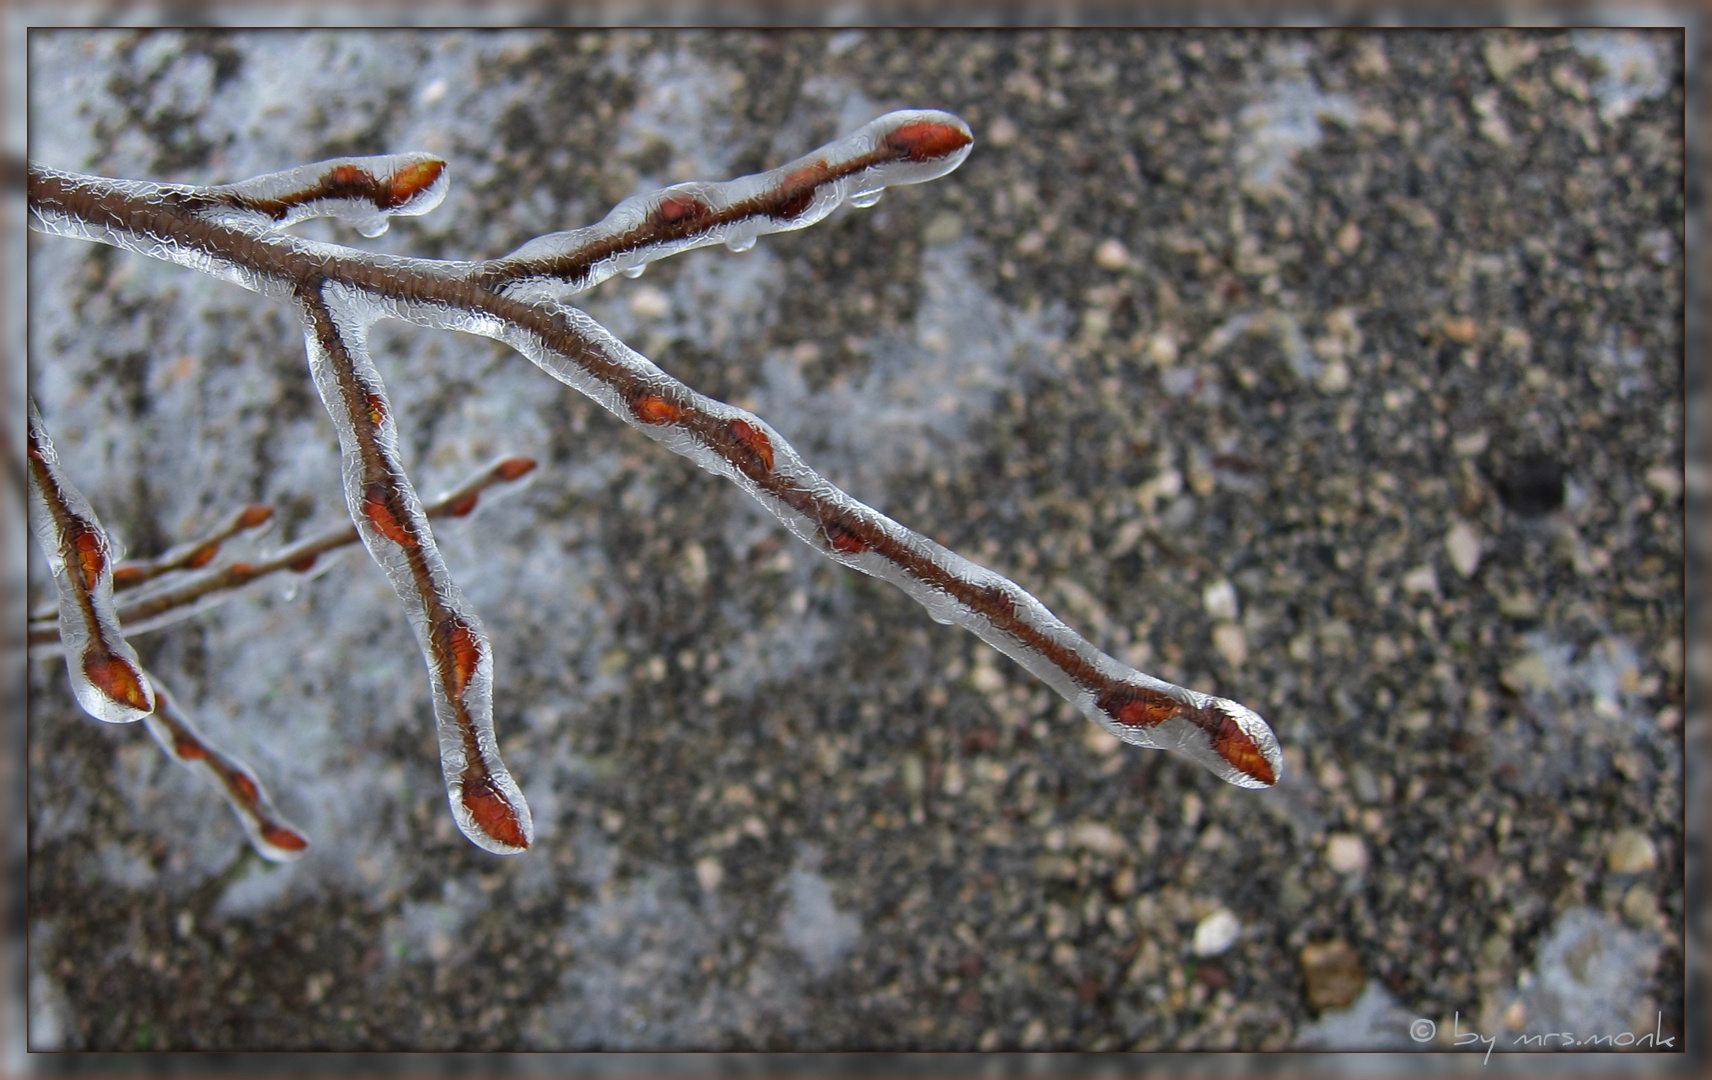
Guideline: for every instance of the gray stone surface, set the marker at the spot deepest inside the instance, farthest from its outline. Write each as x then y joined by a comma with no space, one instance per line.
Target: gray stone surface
1336,372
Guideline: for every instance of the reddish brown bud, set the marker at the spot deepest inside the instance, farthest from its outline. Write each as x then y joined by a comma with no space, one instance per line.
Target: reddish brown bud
844,540
680,210
513,468
463,653
348,181
655,410
1236,746
88,551
1138,708
753,440
243,785
926,141
117,679
283,837
463,505
490,810
380,515
411,181
125,576
796,193
254,516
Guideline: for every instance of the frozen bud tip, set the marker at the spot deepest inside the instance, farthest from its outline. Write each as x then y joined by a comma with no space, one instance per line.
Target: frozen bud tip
284,839
514,468
1244,741
254,516
411,180
120,682
498,826
928,140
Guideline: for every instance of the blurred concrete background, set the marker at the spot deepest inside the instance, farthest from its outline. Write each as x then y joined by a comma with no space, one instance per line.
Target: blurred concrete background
1337,372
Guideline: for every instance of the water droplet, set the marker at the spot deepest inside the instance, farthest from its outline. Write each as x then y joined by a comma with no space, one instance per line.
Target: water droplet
370,225
865,199
289,593
634,272
740,243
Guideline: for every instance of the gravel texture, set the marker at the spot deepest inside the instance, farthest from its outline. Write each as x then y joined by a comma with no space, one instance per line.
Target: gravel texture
1336,372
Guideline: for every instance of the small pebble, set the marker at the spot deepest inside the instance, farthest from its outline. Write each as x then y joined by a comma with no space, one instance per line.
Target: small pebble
1422,579
1665,480
1346,853
1111,255
1463,544
1334,377
1216,933
1332,972
1640,906
1349,238
1099,838
1631,852
1461,329
1219,599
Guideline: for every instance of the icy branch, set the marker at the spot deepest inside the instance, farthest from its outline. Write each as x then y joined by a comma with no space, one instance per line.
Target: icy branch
192,556
105,675
232,232
270,834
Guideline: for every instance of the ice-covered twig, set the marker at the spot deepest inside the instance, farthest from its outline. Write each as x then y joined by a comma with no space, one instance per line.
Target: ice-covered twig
270,834
180,598
517,299
486,802
192,556
898,148
105,675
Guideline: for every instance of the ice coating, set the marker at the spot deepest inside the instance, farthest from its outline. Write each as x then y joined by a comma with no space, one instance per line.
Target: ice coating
232,233
486,803
273,837
907,147
105,676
